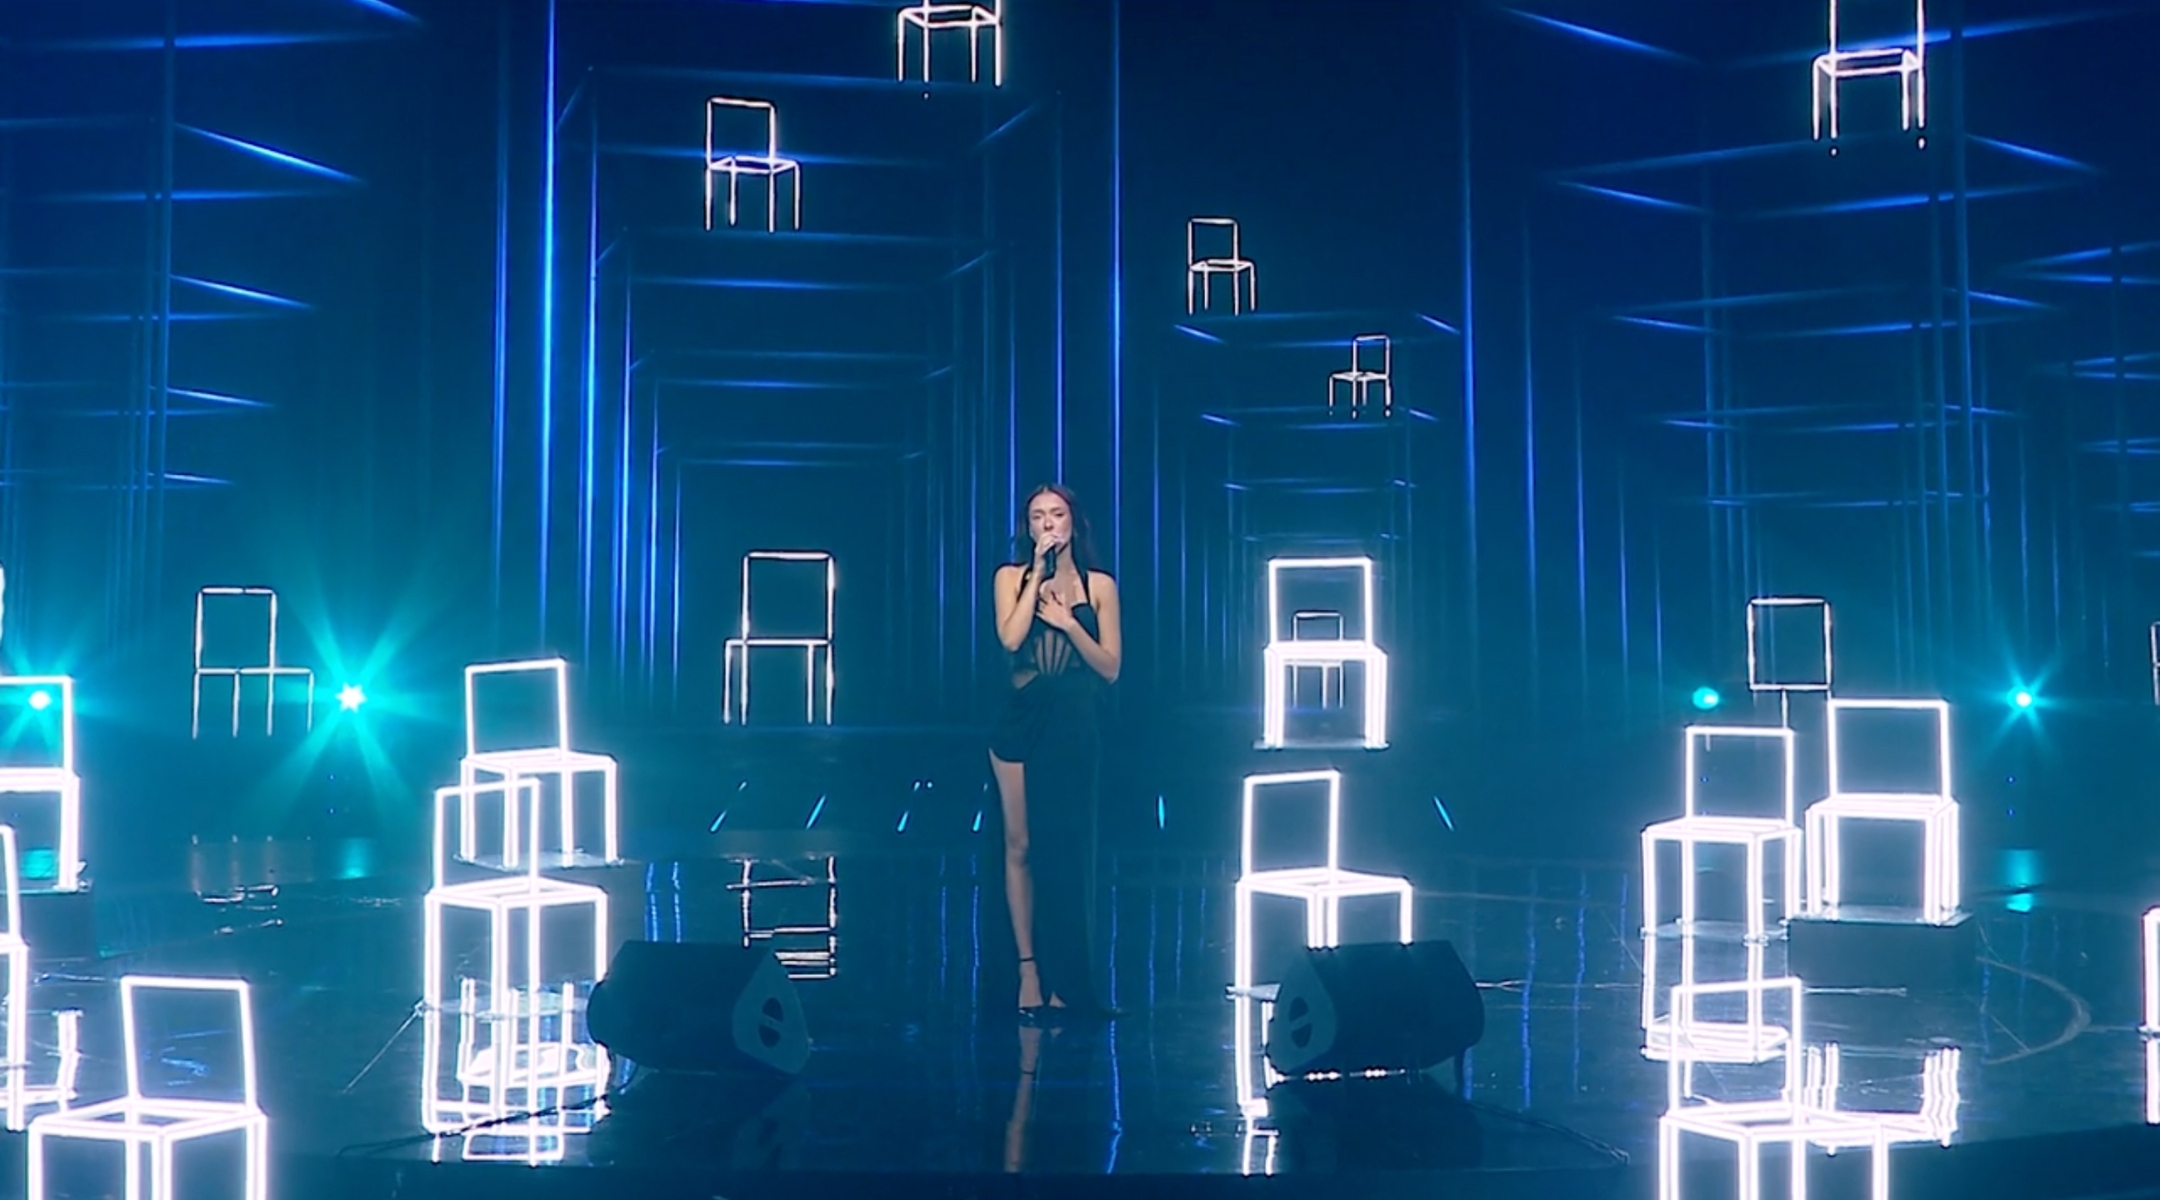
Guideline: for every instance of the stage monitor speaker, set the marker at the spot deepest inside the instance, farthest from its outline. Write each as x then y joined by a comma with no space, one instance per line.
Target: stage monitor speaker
699,1006
1378,1006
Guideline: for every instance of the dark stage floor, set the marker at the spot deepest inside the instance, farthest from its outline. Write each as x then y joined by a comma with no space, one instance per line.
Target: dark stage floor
915,1083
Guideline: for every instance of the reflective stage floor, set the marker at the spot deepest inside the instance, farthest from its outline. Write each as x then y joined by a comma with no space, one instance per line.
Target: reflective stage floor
917,1083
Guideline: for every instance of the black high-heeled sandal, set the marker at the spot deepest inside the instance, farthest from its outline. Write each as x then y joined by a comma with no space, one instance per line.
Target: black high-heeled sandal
1033,1014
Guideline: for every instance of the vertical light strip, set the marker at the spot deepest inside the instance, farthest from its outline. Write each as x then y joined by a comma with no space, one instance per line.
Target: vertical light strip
589,408
1469,350
622,478
547,327
1117,283
1057,371
502,297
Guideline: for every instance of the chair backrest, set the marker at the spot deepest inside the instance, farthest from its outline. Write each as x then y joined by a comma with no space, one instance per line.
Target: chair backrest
1323,624
40,693
1365,345
1193,256
535,666
202,598
1772,664
523,833
832,580
1841,773
714,105
1702,738
133,989
1254,784
1277,567
1870,33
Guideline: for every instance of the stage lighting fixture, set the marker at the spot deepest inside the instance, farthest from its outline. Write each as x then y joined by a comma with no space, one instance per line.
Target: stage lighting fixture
40,700
1706,698
2022,698
156,1121
351,697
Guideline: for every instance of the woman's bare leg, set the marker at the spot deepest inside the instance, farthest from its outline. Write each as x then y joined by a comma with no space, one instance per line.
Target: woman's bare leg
1019,881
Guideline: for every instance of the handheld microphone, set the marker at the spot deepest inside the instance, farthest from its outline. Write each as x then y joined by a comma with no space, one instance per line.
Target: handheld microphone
1050,562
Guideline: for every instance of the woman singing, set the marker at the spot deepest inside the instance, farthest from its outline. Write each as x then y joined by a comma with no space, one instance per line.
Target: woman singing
1059,619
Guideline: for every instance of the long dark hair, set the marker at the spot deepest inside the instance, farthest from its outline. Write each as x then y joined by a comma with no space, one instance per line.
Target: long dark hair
1082,546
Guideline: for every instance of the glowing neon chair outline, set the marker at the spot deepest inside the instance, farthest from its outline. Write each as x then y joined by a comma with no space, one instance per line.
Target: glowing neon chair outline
15,953
799,963
1283,655
1909,63
549,759
58,779
1657,1024
2151,1023
735,653
271,670
1936,812
158,1124
1752,834
770,165
1756,682
23,1095
973,18
1322,888
1749,1125
518,1069
500,898
1202,269
1935,1121
1298,622
1359,378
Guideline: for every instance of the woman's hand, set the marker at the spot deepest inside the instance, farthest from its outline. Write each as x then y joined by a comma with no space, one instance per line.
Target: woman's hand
1055,612
1044,544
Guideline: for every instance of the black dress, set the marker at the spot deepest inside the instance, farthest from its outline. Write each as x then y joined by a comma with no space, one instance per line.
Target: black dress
1051,725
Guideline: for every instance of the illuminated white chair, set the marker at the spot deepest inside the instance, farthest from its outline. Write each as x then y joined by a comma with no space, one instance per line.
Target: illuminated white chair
1318,625
157,1123
1935,1119
523,1070
971,19
1839,64
504,898
1322,888
15,954
1749,1043
542,756
20,1095
270,670
2151,1023
769,166
1357,383
735,655
1752,833
1201,269
1787,1118
1935,811
1285,655
804,949
57,779
2152,637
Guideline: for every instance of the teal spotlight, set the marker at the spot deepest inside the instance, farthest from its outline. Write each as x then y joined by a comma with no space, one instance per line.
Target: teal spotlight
2022,698
350,697
40,700
1706,698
